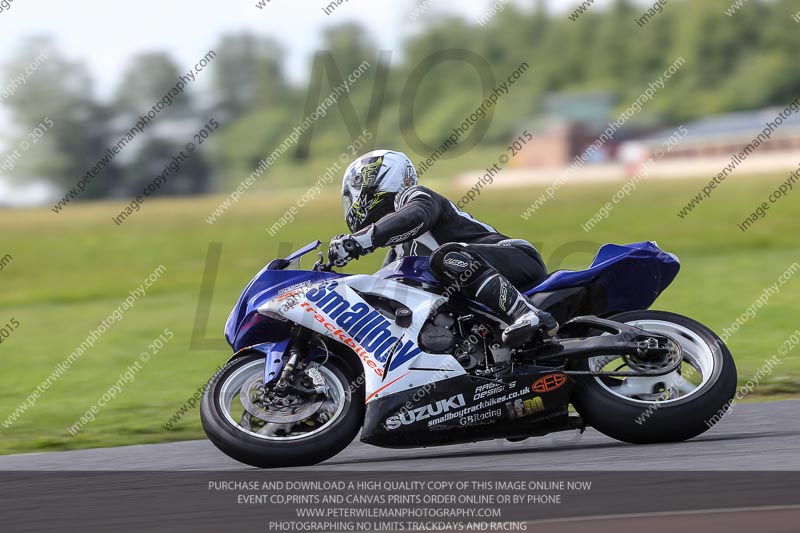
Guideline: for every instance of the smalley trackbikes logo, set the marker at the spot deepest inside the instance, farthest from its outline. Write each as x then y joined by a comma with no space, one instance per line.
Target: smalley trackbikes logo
423,413
358,326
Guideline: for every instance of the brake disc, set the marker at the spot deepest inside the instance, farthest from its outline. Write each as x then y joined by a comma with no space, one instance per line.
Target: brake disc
641,368
641,364
276,410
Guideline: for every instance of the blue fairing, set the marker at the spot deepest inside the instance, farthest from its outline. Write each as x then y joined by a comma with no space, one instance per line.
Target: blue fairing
245,326
413,268
632,275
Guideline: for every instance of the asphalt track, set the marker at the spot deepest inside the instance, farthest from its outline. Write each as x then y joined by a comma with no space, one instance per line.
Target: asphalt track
764,436
741,476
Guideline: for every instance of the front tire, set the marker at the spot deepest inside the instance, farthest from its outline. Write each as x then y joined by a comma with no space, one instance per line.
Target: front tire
671,408
245,444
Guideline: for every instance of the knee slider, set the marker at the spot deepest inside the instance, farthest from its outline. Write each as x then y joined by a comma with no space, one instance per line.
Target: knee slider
450,261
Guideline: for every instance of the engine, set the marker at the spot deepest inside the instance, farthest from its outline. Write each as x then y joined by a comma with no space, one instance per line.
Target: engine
474,342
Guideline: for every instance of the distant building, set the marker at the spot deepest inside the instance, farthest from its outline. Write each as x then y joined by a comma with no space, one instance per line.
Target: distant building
555,143
569,124
723,135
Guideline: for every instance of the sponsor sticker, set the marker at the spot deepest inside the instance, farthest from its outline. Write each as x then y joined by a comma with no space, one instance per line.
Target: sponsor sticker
486,417
293,288
491,389
520,408
425,412
549,383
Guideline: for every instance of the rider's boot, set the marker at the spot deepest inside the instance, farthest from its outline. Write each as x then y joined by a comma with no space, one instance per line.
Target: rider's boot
497,293
527,319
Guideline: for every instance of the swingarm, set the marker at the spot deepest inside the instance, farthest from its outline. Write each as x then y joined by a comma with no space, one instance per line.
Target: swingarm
646,353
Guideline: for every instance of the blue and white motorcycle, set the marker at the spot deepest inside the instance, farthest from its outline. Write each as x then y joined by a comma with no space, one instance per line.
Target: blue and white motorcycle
408,362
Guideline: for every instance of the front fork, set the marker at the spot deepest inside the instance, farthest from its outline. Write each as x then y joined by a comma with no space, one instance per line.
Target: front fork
287,382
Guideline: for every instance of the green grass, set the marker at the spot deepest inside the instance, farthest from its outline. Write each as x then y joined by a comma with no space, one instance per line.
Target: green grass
71,270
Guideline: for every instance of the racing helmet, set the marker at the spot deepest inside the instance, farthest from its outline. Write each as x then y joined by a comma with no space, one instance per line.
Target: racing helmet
370,185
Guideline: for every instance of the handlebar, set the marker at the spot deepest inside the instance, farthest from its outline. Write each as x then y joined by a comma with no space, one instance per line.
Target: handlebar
349,245
321,265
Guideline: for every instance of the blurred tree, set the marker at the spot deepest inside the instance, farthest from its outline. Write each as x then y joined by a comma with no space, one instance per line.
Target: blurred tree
349,59
609,58
564,62
59,90
241,146
146,81
652,43
349,45
248,74
780,47
448,72
185,173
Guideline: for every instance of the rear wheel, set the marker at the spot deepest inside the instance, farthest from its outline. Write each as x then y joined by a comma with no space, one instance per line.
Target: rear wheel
258,428
669,408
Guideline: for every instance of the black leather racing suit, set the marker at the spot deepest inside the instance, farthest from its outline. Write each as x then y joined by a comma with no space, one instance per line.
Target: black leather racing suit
428,224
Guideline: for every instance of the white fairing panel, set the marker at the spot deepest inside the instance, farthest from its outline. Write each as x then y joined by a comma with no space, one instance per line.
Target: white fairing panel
335,309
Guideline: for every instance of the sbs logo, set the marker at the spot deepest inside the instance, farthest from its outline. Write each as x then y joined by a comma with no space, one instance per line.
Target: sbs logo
549,383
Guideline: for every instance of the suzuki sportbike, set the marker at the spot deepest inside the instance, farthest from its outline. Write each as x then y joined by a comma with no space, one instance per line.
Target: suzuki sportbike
319,356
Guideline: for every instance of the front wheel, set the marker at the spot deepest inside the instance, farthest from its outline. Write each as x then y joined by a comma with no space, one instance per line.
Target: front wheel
258,428
670,408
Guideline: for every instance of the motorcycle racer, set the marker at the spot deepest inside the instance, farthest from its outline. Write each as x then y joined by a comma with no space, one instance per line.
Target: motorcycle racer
385,206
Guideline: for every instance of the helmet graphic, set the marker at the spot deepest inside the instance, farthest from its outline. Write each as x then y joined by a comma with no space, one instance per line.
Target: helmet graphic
370,185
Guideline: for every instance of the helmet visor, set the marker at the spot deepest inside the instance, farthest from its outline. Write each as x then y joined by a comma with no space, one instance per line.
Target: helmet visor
347,201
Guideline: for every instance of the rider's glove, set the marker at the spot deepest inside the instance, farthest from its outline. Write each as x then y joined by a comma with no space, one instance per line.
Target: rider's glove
342,250
345,248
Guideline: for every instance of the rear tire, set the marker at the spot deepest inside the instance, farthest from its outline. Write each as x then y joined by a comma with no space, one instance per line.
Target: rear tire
243,446
641,422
